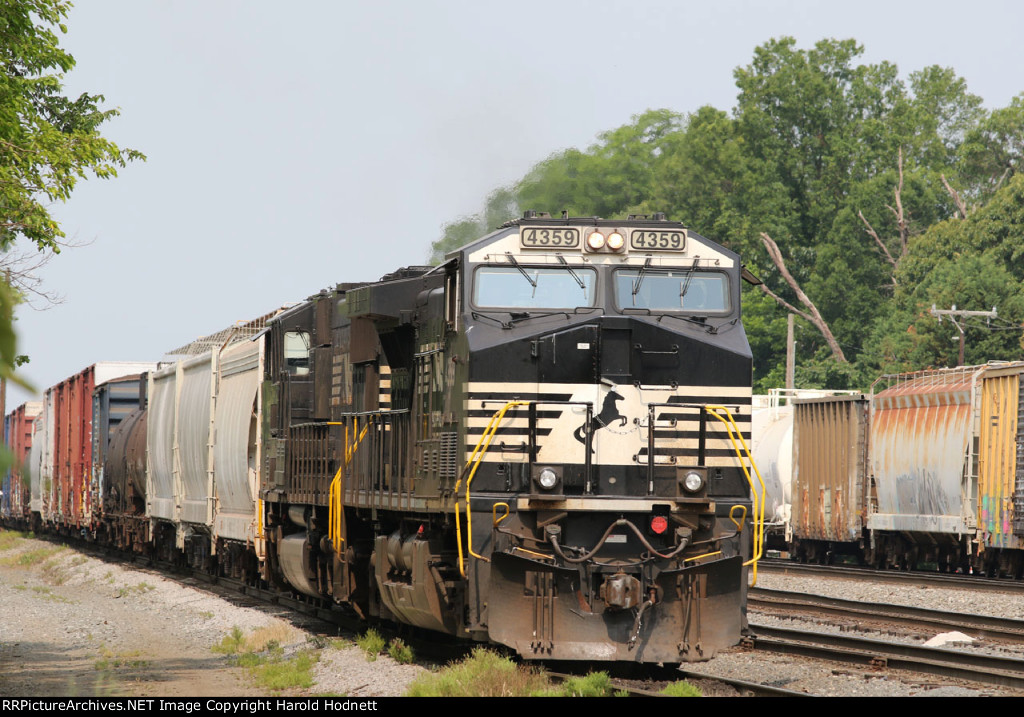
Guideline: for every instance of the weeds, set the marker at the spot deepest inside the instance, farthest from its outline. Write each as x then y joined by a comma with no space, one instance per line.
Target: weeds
371,643
110,660
595,684
681,689
483,674
140,589
262,656
232,643
54,573
261,639
10,538
31,557
280,674
400,652
48,595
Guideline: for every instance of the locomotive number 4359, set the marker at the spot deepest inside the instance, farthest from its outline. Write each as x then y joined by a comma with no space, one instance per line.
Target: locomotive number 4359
665,241
563,237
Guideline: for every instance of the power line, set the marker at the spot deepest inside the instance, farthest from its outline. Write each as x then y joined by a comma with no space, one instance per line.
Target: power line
963,314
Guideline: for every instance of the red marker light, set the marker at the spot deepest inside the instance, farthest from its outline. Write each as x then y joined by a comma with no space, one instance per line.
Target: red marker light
659,524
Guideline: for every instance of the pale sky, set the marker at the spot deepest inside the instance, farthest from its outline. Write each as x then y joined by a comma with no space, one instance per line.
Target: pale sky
296,145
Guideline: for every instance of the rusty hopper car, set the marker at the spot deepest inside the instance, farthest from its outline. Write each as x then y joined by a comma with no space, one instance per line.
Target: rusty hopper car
947,466
535,443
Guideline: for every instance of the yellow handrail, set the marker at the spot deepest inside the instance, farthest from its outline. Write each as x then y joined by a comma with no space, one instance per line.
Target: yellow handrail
495,520
738,523
335,509
758,512
471,465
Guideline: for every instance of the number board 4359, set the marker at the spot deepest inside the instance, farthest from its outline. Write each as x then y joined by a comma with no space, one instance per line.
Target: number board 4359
657,240
543,237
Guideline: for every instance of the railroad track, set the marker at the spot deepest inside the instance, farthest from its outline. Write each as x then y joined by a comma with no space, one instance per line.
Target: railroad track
879,654
854,572
981,627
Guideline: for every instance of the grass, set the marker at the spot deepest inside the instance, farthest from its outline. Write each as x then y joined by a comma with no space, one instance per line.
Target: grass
261,655
49,595
594,684
487,674
139,589
400,652
55,573
31,557
10,538
280,674
371,643
232,643
483,674
110,660
681,689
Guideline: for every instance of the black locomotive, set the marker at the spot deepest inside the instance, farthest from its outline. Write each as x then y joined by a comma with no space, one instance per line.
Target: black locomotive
535,443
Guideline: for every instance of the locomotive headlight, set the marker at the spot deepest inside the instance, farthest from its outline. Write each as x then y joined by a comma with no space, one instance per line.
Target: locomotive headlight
547,479
616,241
595,240
693,482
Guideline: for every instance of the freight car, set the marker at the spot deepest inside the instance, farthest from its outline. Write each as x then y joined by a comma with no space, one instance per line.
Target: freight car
772,448
539,443
19,429
927,469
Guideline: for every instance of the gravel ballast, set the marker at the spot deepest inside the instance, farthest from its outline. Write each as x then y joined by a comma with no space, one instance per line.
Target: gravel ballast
78,625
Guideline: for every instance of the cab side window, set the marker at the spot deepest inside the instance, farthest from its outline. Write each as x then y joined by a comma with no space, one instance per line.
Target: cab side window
296,353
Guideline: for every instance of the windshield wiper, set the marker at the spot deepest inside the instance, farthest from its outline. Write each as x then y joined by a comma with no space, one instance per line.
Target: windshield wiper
640,278
686,284
513,262
573,274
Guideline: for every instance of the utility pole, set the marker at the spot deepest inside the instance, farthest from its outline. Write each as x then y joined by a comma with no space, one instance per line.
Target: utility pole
790,353
952,314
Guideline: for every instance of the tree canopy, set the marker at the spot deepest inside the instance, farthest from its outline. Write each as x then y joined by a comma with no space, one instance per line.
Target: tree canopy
881,194
48,141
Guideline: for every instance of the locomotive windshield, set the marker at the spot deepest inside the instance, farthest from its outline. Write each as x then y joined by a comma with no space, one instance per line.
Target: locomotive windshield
702,292
528,287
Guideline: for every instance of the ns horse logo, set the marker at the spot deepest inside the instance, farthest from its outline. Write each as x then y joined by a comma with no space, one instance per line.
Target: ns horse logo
609,414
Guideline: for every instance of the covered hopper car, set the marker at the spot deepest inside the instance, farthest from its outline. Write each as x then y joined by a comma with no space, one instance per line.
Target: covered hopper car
926,470
539,443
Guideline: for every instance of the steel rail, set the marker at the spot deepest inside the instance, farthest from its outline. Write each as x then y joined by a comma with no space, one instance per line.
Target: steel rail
853,572
972,667
977,626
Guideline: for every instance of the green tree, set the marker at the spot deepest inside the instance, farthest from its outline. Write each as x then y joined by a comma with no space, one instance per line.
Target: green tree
973,263
613,177
48,141
993,150
501,205
845,167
